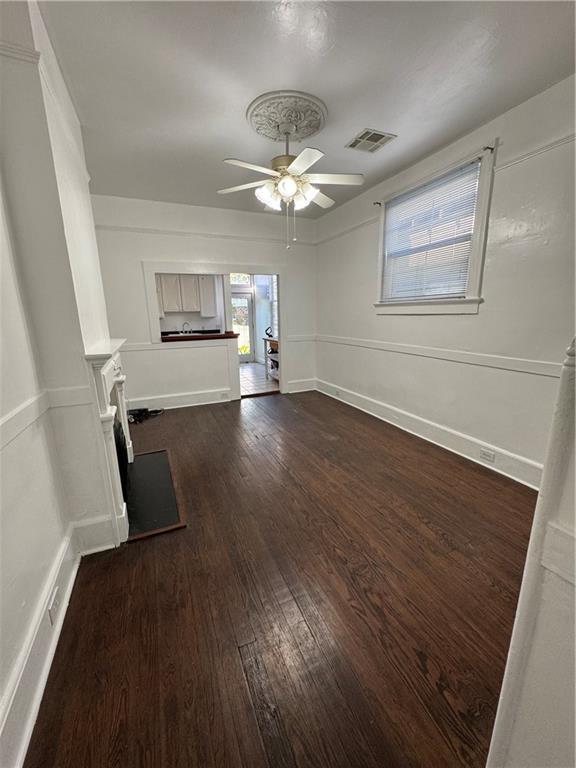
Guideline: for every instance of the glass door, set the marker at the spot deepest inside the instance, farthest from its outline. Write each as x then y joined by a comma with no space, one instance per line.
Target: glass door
243,324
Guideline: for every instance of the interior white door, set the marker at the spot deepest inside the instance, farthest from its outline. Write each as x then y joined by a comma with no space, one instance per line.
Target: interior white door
208,296
171,293
190,292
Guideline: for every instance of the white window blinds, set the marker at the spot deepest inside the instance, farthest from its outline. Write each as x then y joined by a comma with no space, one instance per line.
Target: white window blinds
428,237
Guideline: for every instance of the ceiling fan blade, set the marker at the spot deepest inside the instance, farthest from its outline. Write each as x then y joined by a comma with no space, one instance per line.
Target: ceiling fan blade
350,179
305,160
240,187
251,166
323,200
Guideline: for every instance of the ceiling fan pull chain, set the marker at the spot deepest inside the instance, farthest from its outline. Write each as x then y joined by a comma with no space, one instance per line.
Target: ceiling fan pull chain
288,225
294,238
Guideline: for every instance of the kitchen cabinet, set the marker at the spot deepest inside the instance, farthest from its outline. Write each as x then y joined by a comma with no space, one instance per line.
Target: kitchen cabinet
190,293
171,297
207,285
187,293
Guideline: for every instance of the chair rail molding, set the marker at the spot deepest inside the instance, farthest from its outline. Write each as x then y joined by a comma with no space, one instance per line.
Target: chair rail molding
26,413
521,365
19,52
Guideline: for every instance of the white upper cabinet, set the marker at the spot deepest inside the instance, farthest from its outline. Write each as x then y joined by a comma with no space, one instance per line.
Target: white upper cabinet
190,293
187,293
171,298
208,296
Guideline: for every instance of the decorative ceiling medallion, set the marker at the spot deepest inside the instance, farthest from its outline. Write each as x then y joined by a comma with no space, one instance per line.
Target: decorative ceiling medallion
276,113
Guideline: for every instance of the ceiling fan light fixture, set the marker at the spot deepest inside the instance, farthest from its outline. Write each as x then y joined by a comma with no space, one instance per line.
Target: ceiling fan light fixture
274,205
287,187
285,116
300,201
267,194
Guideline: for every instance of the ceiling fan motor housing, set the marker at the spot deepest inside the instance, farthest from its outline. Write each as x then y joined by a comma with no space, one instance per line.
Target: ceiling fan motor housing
280,163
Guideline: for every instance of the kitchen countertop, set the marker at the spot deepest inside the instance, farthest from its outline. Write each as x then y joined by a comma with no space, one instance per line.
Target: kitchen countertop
200,336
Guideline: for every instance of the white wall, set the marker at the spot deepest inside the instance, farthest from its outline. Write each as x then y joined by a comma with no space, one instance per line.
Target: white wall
72,180
472,380
53,482
35,551
133,232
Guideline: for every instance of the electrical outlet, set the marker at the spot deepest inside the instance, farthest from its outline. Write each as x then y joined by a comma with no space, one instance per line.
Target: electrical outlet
223,396
487,455
54,605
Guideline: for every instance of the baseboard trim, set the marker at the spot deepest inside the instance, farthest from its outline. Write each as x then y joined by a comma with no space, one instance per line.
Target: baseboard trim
21,701
511,465
181,399
300,385
95,534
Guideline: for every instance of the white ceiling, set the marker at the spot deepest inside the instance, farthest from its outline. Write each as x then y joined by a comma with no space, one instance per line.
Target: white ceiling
161,88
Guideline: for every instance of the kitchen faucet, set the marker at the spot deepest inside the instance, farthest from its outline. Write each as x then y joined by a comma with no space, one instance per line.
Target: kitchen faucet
189,327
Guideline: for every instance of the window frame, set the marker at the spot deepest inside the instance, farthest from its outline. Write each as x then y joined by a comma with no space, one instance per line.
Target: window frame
444,305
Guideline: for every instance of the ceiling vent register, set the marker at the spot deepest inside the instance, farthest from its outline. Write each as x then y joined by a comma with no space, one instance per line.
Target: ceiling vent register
370,140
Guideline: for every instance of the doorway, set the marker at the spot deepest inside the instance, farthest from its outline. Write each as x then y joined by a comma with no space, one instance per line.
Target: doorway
255,319
243,324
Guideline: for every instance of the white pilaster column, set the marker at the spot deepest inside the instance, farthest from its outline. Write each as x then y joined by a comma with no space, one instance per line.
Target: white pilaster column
119,518
123,415
534,725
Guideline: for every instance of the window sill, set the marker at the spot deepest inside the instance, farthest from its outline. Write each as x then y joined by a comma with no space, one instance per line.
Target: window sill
469,306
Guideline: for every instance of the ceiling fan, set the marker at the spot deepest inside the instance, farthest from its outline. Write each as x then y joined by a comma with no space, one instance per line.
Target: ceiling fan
290,183
282,116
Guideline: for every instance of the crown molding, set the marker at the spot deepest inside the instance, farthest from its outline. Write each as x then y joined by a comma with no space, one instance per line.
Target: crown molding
539,150
535,152
19,52
193,233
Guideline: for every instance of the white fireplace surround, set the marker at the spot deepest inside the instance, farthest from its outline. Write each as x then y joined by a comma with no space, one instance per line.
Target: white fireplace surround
108,381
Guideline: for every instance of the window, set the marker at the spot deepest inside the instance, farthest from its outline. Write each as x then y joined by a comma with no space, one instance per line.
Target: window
240,278
434,241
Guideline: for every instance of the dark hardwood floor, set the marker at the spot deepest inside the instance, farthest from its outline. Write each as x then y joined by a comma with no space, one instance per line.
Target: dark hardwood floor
343,597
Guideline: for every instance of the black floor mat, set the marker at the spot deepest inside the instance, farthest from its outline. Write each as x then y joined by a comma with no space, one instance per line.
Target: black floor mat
151,501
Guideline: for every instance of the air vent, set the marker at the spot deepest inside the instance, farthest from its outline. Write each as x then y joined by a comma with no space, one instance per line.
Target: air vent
370,140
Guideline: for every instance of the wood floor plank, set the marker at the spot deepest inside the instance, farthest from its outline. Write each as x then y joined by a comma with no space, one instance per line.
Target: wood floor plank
342,597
